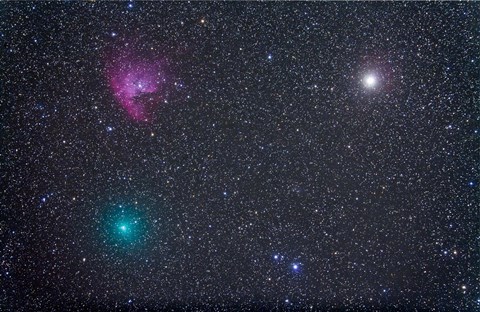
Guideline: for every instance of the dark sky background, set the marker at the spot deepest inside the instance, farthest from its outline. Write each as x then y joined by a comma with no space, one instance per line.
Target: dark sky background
288,156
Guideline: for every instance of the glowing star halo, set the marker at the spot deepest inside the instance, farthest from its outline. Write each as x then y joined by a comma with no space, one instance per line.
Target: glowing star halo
137,83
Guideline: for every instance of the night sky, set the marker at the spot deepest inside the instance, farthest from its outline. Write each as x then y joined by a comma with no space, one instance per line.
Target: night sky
303,156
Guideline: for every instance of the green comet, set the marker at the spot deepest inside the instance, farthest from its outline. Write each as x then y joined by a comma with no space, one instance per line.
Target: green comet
124,226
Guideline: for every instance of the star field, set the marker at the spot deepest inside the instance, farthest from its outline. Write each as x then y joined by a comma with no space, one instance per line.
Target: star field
240,156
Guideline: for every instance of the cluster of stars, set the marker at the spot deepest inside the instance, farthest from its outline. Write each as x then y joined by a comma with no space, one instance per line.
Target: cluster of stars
294,266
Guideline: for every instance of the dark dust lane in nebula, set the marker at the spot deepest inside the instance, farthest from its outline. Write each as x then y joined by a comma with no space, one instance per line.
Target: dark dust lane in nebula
137,82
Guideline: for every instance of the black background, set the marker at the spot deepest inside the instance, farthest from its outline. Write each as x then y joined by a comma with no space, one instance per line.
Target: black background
267,144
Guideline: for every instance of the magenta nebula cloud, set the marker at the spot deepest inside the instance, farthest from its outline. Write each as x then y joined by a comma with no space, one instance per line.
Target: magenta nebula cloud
137,84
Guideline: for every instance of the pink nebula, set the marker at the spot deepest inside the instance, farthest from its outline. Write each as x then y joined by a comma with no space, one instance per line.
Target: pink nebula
138,85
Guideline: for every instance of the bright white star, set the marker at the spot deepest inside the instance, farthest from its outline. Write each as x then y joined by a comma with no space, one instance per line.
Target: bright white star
370,81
